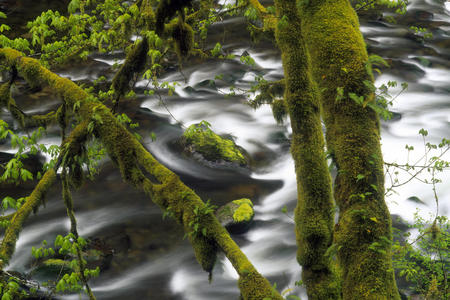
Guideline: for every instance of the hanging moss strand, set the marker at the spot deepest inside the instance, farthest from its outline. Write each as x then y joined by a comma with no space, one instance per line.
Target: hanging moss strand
134,64
314,216
339,58
67,197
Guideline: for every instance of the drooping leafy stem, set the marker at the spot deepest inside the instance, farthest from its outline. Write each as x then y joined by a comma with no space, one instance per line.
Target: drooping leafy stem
73,229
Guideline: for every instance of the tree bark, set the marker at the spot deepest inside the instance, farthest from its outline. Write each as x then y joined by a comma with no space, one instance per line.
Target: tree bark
363,235
314,214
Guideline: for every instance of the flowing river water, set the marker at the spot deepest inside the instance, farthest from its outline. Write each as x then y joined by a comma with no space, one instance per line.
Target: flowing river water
147,257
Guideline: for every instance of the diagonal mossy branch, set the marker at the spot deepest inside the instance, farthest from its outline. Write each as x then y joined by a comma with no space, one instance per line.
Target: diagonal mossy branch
314,217
32,202
168,191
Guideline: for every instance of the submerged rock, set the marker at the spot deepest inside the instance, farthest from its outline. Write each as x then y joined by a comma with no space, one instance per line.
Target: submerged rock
237,215
199,138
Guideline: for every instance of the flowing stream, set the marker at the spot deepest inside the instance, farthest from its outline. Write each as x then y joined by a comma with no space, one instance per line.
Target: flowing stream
147,256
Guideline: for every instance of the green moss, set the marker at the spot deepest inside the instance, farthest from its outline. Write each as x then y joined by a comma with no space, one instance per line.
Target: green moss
147,14
183,37
245,212
205,251
254,287
212,146
339,58
314,212
166,10
243,201
55,266
279,110
32,202
134,64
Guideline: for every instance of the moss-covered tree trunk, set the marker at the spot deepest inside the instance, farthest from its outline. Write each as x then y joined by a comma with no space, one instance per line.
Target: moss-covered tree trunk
314,217
363,233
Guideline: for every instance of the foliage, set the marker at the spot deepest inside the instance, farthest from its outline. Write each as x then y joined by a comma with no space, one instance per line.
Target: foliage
422,256
196,223
68,247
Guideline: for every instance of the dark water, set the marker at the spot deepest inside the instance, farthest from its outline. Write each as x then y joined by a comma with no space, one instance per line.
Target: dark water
146,256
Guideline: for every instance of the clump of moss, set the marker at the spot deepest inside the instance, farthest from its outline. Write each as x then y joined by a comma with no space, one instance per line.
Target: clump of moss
166,11
147,14
55,266
279,110
200,138
253,286
236,216
245,212
183,36
205,251
134,63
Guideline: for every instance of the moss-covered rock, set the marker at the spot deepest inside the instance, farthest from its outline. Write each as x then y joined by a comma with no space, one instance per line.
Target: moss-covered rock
53,267
237,215
201,139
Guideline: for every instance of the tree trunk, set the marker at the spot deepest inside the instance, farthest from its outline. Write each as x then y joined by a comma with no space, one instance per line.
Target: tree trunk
363,234
314,214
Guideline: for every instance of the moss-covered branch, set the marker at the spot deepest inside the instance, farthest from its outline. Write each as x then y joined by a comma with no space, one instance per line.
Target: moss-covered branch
363,234
268,19
24,120
314,215
165,189
32,202
134,64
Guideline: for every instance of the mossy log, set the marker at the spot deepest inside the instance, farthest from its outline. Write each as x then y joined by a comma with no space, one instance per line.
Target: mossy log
363,233
314,217
165,188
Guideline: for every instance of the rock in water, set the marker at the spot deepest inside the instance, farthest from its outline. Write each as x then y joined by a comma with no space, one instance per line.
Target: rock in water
199,138
237,215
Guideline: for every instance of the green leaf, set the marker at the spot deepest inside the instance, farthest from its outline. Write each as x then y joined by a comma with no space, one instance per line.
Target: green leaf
26,175
73,6
360,177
